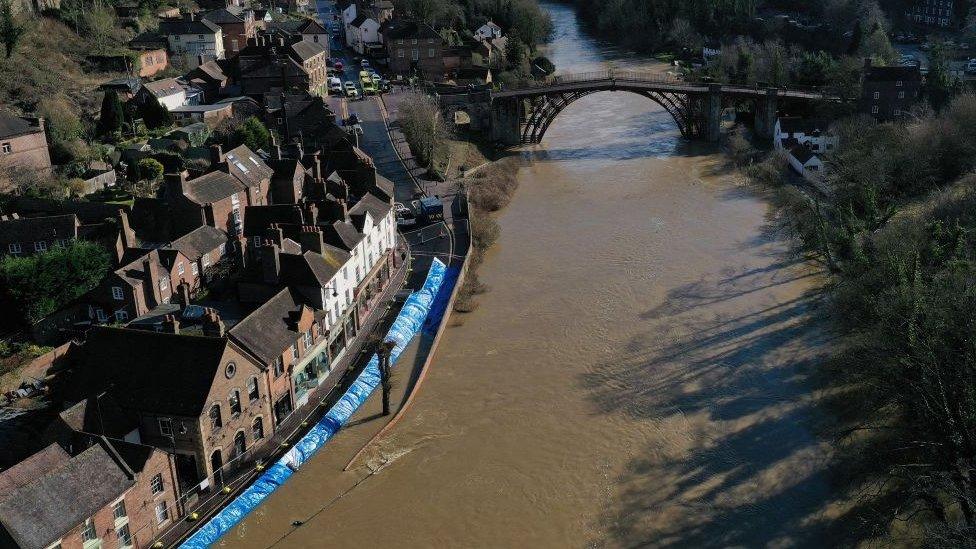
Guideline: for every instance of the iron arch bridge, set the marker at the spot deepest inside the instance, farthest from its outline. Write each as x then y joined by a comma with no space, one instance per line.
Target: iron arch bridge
522,115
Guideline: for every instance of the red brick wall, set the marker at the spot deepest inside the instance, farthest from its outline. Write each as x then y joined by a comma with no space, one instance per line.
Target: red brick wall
29,151
152,62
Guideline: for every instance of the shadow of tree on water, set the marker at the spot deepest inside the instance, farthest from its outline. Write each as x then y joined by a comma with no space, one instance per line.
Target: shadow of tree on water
721,381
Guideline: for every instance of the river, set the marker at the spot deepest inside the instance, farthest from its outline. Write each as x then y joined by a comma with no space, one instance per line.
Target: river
639,373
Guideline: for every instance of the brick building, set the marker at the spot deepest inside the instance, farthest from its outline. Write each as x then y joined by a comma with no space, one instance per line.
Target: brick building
889,92
413,47
937,13
28,235
274,63
23,143
99,493
236,24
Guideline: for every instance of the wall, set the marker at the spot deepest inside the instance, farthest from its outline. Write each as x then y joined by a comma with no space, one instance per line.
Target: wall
140,502
29,151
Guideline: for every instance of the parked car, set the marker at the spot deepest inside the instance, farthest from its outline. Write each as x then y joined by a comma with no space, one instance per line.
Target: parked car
364,63
404,215
366,81
384,85
351,90
971,66
335,85
338,65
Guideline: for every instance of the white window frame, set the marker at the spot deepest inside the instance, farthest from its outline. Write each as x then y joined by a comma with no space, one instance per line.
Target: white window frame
294,351
88,531
15,248
121,315
40,246
165,426
180,269
101,315
877,95
163,284
117,293
7,149
161,511
157,480
194,268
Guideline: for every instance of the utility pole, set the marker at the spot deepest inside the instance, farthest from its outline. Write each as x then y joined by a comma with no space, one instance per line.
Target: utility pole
384,353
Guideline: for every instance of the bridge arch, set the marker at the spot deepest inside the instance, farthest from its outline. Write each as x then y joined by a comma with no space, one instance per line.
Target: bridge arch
545,108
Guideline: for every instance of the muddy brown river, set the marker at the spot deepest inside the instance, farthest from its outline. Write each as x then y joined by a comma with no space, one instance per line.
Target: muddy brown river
638,374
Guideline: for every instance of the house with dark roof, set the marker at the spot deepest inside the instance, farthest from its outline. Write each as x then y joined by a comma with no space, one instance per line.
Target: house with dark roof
193,38
815,133
23,143
203,248
889,92
147,278
413,47
28,235
363,33
268,59
203,395
96,492
300,29
302,117
237,25
170,93
213,77
804,161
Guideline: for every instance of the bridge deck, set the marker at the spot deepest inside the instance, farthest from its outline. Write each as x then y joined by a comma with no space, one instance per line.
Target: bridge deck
634,81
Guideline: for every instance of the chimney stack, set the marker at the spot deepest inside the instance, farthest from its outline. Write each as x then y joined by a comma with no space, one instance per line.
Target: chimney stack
270,262
275,148
312,239
183,294
311,213
211,324
276,234
174,184
317,166
151,277
171,325
216,155
128,235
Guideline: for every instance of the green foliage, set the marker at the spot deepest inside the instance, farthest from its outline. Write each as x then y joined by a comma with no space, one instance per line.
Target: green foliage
150,168
155,114
252,133
38,285
940,85
423,127
10,28
520,17
112,116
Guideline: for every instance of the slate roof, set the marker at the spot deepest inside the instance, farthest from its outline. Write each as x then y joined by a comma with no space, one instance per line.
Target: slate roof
170,27
360,19
270,329
212,187
795,124
199,241
257,219
408,29
343,235
26,471
306,50
100,415
369,203
892,74
312,269
247,166
802,153
29,229
164,87
150,371
225,16
12,126
37,514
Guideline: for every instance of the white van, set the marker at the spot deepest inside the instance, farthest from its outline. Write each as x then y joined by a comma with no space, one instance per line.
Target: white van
335,85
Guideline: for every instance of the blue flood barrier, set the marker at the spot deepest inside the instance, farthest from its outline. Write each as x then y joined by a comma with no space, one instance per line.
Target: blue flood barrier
410,320
441,300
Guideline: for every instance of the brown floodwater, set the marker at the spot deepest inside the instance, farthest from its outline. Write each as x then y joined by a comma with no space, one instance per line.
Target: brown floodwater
638,374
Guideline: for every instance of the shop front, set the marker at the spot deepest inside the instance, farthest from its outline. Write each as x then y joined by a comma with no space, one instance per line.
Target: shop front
370,290
310,372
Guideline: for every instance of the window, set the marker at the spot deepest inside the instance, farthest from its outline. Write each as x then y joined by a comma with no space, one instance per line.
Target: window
240,443
901,95
166,426
15,248
257,241
162,513
117,293
877,95
294,352
348,296
206,260
194,269
415,54
279,367
400,53
125,538
307,338
430,53
100,315
257,430
235,402
88,531
121,315
414,41
7,149
199,37
898,83
252,389
156,484
163,284
874,109
215,421
40,246
118,510
180,269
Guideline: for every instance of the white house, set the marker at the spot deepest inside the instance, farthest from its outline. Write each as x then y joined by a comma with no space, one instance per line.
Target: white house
790,131
362,31
804,161
488,31
193,39
168,91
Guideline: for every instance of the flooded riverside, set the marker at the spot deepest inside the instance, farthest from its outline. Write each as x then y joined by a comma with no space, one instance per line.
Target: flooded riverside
638,374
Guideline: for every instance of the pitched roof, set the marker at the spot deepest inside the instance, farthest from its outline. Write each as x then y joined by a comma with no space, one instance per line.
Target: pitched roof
306,50
199,241
164,87
312,269
28,229
795,124
271,328
257,219
408,29
369,203
12,126
26,471
343,234
892,74
212,187
37,514
247,166
101,415
311,26
360,19
224,16
150,371
802,153
198,26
